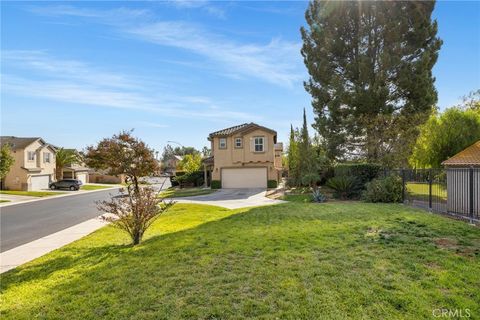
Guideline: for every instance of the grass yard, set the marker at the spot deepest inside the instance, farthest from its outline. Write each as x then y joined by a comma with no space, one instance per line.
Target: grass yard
421,190
31,193
290,261
93,187
188,192
4,201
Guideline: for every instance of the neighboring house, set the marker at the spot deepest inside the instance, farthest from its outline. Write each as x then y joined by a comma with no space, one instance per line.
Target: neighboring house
463,181
172,163
76,171
34,166
245,156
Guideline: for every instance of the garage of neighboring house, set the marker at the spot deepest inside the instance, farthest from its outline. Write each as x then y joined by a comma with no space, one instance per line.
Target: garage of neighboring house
244,178
39,182
76,172
83,176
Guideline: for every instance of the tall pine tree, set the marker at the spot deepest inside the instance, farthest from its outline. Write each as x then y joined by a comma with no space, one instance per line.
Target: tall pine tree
370,66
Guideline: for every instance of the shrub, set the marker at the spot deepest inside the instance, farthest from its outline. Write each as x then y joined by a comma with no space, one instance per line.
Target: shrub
216,184
174,179
196,178
345,187
317,196
135,213
311,178
271,183
387,189
363,172
326,172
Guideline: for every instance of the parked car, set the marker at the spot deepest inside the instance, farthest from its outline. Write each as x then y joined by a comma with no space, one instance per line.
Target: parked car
72,184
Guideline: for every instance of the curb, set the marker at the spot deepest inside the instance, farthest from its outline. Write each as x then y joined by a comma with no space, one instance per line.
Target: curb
58,196
27,252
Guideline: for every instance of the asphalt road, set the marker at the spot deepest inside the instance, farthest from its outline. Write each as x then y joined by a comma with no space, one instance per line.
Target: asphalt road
23,223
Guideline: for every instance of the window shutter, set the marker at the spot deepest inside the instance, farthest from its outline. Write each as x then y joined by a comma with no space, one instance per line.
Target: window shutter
252,145
265,144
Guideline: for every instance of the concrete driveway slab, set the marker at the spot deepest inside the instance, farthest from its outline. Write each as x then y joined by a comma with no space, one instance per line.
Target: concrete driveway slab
232,198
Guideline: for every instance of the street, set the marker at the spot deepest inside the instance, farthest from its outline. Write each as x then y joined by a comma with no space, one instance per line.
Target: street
23,223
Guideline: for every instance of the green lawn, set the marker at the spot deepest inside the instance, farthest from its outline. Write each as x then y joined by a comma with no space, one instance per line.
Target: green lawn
290,261
188,192
305,197
421,190
93,187
31,193
4,201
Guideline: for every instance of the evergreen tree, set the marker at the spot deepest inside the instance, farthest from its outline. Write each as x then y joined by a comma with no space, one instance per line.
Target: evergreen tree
304,149
370,66
292,158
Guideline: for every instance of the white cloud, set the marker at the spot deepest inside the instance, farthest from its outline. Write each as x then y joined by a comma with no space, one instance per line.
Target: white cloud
72,81
207,6
276,62
40,61
108,16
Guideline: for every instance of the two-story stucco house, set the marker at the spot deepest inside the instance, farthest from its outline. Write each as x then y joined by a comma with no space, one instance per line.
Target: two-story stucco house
34,166
245,156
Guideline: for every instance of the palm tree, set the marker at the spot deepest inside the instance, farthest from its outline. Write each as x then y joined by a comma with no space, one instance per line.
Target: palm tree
64,157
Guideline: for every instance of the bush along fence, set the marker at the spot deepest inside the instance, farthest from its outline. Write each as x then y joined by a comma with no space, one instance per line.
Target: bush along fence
453,191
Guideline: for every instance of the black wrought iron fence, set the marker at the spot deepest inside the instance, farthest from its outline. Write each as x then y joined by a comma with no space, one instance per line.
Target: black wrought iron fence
454,191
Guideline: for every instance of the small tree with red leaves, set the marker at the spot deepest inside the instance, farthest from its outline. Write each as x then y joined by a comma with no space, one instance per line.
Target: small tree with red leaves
125,154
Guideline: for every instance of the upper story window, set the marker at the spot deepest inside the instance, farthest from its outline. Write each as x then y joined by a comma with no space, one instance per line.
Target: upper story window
222,143
238,142
46,157
259,144
31,156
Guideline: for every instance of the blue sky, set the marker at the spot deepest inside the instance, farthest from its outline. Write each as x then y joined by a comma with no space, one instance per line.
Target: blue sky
74,72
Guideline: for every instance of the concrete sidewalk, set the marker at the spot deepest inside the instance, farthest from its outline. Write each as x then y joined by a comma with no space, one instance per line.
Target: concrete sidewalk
12,198
17,256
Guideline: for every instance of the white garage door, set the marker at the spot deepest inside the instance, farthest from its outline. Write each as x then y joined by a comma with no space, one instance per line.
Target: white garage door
244,178
82,177
39,182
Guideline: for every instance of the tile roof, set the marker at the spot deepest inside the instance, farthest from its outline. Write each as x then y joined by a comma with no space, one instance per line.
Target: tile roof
469,156
16,142
234,129
228,131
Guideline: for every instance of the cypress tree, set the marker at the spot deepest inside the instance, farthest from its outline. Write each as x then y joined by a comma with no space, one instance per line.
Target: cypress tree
293,169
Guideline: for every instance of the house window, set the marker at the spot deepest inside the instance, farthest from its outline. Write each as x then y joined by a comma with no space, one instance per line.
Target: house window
46,157
222,143
31,156
238,142
259,144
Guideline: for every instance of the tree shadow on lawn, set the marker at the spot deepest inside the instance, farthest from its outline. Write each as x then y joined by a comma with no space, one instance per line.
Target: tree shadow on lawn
265,261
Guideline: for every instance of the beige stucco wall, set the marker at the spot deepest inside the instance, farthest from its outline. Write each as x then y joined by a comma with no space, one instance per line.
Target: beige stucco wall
105,178
18,178
233,157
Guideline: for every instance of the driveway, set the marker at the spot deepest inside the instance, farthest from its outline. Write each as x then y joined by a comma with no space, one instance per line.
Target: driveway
232,198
